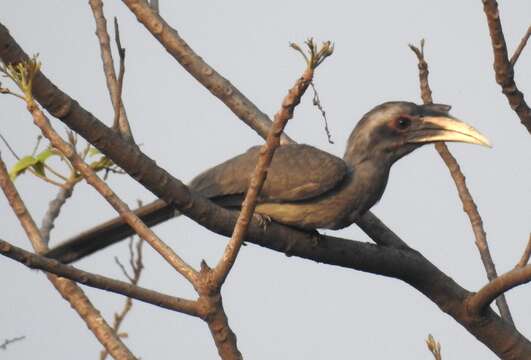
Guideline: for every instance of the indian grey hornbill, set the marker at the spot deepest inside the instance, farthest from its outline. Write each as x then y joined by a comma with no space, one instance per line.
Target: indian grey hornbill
305,187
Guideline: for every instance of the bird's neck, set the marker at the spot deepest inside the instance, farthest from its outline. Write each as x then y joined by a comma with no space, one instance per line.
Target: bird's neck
370,175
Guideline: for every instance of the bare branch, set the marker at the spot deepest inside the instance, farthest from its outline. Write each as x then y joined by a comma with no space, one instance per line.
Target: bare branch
54,208
502,66
90,176
525,256
469,206
8,342
520,47
34,261
113,84
317,102
69,290
478,302
220,87
267,151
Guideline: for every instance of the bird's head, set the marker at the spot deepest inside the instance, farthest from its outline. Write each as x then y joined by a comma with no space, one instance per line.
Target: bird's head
394,129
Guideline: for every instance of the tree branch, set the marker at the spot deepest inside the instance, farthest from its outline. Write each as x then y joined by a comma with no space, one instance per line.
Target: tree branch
220,87
34,261
478,302
90,176
267,151
469,205
525,256
520,47
502,66
114,85
68,290
54,208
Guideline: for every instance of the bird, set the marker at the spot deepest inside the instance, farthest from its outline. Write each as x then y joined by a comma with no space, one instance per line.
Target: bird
306,188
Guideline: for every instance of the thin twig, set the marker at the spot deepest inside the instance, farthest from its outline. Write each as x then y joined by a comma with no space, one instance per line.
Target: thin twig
34,261
520,47
502,66
54,208
258,177
317,102
478,302
122,124
525,256
69,290
8,342
469,206
137,265
9,147
93,179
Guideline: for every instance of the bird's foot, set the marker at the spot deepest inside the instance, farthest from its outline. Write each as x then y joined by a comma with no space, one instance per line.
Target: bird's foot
263,220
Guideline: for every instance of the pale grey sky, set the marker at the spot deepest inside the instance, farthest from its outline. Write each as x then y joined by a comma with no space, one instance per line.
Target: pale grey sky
279,307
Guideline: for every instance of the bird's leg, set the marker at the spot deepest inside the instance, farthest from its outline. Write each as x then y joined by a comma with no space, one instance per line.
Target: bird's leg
263,220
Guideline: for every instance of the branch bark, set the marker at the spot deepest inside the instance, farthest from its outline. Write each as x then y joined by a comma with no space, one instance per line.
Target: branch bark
469,205
219,86
502,66
68,289
486,295
34,261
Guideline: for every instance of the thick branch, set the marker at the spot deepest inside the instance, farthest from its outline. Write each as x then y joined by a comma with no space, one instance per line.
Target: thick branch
478,302
404,264
220,87
525,256
469,204
33,261
502,66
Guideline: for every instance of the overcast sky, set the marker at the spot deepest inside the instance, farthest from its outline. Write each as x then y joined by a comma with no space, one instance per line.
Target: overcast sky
279,307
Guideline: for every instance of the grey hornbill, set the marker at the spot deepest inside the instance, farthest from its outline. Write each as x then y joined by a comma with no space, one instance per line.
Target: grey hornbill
307,188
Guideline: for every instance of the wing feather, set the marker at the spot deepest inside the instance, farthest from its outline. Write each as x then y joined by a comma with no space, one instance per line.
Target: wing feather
297,172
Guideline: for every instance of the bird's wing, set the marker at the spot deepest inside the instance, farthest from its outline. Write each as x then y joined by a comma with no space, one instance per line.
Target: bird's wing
297,172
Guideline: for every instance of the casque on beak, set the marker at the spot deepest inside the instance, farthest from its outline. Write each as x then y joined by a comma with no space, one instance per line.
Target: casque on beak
445,128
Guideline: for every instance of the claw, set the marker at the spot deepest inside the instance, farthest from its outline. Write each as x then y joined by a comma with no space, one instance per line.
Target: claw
263,220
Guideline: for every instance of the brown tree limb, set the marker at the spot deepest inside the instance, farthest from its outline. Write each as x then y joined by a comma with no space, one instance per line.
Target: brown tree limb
469,204
478,302
405,264
114,85
68,289
156,298
525,256
502,66
267,151
520,46
101,186
219,86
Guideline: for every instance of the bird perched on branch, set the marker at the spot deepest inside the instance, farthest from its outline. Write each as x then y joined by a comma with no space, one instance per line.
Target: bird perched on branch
305,187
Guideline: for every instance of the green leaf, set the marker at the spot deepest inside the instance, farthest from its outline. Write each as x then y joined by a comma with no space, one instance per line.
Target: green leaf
93,151
22,165
44,155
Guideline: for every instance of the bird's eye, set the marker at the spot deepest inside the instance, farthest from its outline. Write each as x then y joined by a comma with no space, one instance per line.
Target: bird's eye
402,123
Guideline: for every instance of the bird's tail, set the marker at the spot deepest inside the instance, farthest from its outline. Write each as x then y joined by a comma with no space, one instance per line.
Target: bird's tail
109,232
